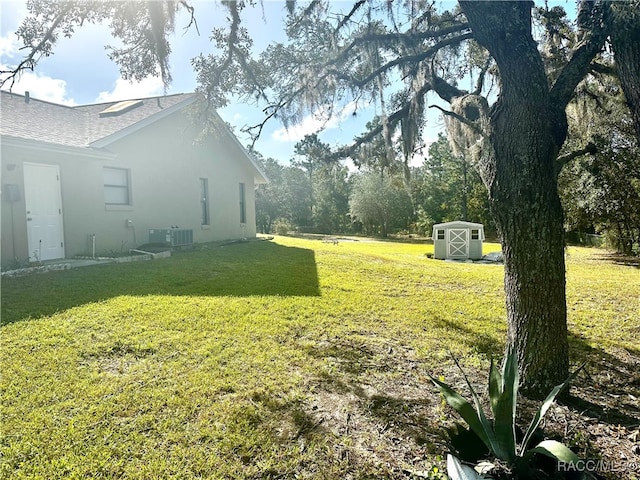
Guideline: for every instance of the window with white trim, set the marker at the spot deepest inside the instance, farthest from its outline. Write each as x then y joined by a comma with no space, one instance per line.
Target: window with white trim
440,234
475,234
116,186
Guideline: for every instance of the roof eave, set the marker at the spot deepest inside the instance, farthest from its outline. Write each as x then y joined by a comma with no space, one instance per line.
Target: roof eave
40,145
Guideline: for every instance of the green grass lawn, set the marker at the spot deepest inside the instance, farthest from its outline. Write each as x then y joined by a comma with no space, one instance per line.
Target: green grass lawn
289,358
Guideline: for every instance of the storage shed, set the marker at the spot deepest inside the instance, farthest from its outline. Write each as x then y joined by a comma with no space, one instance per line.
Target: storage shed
458,240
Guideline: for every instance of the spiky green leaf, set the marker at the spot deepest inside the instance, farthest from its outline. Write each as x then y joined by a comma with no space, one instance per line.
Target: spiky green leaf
494,446
535,422
556,450
466,411
458,471
504,422
495,386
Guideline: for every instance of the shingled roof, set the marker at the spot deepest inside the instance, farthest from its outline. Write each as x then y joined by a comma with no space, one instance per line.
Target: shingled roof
79,126
83,126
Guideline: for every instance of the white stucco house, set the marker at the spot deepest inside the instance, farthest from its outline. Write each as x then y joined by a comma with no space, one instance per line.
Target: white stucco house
118,175
458,240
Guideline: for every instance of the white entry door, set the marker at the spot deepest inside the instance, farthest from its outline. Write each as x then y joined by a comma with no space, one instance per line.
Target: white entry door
458,243
44,211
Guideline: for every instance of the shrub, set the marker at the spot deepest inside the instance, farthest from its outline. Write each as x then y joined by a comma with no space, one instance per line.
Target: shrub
282,226
497,437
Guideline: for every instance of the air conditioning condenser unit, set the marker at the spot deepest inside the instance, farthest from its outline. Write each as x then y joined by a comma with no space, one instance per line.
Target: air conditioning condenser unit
171,237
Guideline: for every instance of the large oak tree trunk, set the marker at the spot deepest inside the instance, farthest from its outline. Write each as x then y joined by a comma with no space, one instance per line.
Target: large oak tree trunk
527,209
625,36
526,132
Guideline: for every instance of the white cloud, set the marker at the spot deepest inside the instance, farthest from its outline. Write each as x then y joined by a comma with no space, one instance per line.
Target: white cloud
320,120
308,125
9,45
12,13
54,90
41,87
125,90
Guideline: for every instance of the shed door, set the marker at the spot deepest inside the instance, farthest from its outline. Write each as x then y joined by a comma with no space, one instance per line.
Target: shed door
458,243
44,211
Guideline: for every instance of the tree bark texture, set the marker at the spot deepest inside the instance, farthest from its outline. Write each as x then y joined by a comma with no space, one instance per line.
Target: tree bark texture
525,135
625,37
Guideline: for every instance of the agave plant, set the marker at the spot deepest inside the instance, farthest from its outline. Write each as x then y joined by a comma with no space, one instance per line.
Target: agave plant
499,434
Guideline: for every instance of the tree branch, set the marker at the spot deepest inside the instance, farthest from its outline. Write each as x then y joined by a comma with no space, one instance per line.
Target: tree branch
596,98
192,20
580,62
259,127
248,70
347,17
291,8
403,37
392,119
460,118
603,69
562,160
399,61
231,40
444,89
28,63
270,112
481,75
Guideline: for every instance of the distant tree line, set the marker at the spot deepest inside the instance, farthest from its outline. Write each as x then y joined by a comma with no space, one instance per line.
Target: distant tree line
315,193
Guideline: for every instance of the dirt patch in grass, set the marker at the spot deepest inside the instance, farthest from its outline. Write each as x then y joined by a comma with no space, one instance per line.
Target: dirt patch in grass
391,418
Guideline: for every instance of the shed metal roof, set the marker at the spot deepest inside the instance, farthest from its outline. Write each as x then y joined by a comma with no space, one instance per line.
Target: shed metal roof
458,223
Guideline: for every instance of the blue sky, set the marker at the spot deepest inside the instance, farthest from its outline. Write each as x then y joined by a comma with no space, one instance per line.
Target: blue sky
80,72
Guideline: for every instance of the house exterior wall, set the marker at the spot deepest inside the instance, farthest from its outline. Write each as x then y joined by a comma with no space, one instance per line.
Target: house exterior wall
165,168
74,172
12,213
